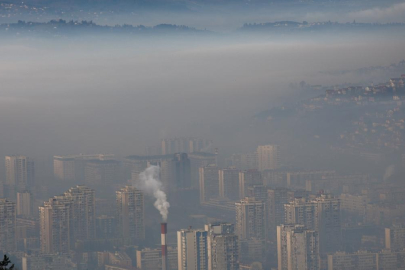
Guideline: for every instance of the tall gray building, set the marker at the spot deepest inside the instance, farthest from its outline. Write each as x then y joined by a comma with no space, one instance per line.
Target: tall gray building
130,214
20,174
297,248
66,219
209,183
250,219
192,248
229,183
7,225
321,214
223,247
247,179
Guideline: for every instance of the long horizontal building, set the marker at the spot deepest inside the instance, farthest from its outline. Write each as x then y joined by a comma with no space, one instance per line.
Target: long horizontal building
362,260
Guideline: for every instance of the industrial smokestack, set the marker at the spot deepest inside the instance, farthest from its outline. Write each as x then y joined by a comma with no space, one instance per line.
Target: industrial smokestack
163,229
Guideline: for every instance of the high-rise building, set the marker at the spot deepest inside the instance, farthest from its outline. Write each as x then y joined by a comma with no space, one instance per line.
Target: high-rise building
247,179
185,145
101,172
82,217
223,248
71,168
7,225
259,192
321,214
245,161
276,198
229,183
20,174
301,212
24,204
182,171
130,214
54,227
175,169
209,183
198,160
362,260
250,219
395,237
328,223
297,248
268,157
66,218
64,168
192,248
106,227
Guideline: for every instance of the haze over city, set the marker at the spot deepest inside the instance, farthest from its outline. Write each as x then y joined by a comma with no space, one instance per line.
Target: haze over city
203,135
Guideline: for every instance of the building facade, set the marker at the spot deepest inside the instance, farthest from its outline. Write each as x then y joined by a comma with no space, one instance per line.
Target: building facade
20,174
297,248
250,219
7,225
130,214
209,183
268,157
192,248
223,247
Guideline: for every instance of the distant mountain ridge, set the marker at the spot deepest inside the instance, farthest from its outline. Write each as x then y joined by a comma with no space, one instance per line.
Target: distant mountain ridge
292,26
64,28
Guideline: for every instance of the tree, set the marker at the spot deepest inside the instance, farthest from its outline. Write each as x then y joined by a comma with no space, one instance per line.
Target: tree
4,264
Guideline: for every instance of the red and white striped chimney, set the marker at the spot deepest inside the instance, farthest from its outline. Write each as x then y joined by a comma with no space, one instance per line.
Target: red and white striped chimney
163,229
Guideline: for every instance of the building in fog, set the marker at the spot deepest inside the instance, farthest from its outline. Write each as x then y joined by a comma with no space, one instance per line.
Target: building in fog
363,260
352,261
223,247
209,183
101,172
309,180
82,217
175,169
20,174
151,259
395,237
321,214
130,214
247,179
297,248
276,199
64,168
66,219
7,225
245,161
268,157
198,160
71,168
47,262
229,183
24,204
54,227
252,250
192,248
106,227
259,192
185,145
182,171
250,219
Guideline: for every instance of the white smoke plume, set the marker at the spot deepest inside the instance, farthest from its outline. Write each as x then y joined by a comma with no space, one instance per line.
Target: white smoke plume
150,183
389,172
